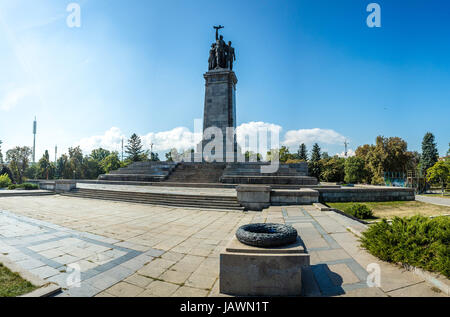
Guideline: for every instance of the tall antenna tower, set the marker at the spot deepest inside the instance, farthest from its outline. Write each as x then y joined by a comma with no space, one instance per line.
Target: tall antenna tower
34,139
122,149
346,148
56,153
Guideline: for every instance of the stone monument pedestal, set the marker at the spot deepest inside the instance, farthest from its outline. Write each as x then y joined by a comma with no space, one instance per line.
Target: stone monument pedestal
252,271
220,116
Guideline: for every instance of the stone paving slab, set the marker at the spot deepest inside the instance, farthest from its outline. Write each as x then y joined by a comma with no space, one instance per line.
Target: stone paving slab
226,192
50,256
144,250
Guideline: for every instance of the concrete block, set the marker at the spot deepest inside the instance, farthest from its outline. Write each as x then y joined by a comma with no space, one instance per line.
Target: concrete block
65,185
255,198
251,271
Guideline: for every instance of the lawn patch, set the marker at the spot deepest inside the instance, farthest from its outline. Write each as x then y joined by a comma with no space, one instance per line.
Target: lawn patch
12,284
390,209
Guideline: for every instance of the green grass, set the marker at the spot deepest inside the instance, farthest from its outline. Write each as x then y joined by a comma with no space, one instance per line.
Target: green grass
417,241
391,209
11,284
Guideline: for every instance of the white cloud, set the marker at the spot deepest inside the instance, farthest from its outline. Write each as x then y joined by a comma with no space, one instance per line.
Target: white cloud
182,138
12,98
294,138
110,140
251,128
350,153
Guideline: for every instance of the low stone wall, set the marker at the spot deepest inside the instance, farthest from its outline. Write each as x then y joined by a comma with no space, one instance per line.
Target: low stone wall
46,185
356,194
304,196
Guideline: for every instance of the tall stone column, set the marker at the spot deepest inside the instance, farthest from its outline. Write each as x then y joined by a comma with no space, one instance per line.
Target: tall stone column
220,112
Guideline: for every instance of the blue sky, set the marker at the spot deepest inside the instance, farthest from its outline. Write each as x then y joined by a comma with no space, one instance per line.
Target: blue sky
310,68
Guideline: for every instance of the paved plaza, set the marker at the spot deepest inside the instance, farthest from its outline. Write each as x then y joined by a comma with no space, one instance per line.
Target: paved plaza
126,249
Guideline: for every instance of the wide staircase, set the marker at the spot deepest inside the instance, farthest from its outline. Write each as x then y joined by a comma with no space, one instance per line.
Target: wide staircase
197,173
251,173
177,200
141,172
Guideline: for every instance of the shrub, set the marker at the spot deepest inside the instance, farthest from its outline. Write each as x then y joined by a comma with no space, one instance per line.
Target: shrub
5,181
418,241
359,211
28,186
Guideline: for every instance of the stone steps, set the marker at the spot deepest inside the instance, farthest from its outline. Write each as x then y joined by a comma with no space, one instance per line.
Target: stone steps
197,173
195,201
25,193
141,172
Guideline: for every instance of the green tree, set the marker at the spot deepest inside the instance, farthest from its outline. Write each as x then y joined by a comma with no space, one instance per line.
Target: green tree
90,168
439,173
315,166
63,168
430,153
32,171
387,155
448,152
45,167
252,155
282,153
171,155
111,162
303,152
76,162
332,169
1,154
154,157
355,170
315,153
99,154
18,160
134,149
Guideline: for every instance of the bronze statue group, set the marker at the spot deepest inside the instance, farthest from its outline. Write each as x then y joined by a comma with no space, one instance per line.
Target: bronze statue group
221,55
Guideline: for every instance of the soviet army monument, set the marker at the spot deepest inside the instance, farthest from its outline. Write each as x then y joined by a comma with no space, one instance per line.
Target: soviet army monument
219,118
218,158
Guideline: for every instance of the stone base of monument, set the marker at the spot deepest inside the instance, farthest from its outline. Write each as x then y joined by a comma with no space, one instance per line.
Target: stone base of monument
253,271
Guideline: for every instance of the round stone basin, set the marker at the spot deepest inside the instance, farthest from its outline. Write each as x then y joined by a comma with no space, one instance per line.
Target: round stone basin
266,235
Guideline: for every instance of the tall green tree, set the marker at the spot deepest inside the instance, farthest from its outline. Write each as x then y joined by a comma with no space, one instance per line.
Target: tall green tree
332,169
430,153
283,154
154,157
45,167
134,149
91,168
303,152
315,153
18,160
253,156
1,154
387,155
355,171
76,162
99,154
111,162
439,173
63,168
315,166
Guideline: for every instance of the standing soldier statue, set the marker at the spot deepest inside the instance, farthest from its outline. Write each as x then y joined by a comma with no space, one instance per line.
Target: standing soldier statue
231,56
221,55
